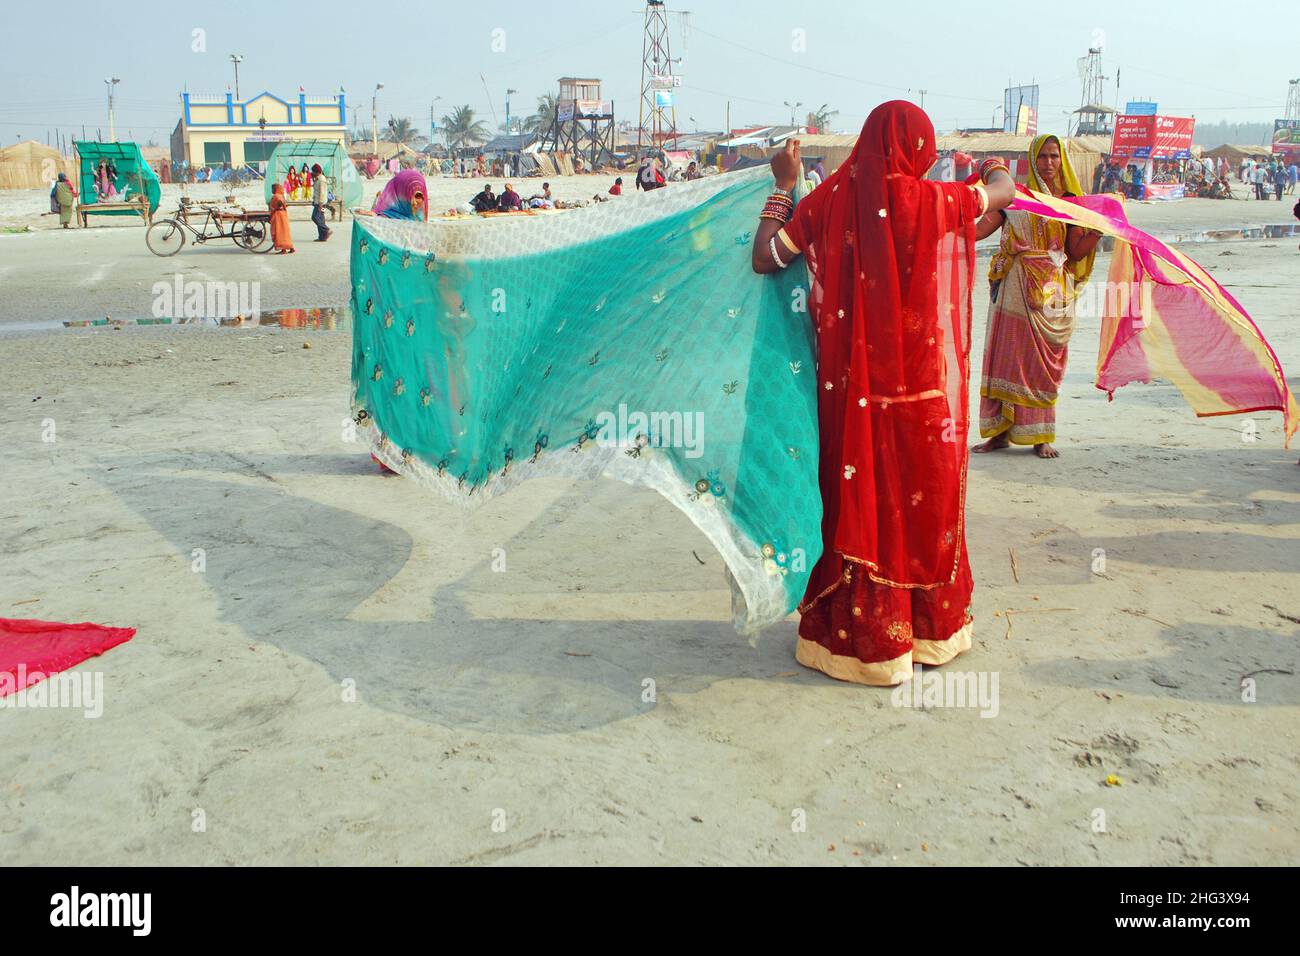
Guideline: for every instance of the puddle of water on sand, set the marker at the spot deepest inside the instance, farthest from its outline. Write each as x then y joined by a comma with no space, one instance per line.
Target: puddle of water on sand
339,318
328,319
1286,231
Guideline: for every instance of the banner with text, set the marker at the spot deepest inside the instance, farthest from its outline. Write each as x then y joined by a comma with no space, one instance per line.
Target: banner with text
1286,137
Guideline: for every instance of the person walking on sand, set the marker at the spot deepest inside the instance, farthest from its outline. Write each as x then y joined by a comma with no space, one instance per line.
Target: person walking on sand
64,197
281,240
1035,278
319,197
893,585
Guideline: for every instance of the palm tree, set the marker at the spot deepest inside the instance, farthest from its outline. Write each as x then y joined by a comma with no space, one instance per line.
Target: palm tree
541,120
822,118
400,131
462,129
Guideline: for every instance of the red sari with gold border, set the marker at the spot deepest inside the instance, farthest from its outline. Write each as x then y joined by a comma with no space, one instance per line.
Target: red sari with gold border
891,257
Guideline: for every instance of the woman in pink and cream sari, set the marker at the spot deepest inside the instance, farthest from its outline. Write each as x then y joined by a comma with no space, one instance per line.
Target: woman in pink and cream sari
1036,276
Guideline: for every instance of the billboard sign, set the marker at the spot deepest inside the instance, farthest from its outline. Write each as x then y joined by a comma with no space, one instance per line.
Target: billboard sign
1140,108
1133,136
1173,137
1153,137
1286,136
1020,110
588,109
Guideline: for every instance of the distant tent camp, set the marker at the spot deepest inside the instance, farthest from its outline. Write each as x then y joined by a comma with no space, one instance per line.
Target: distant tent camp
345,181
31,165
1085,152
135,177
1235,153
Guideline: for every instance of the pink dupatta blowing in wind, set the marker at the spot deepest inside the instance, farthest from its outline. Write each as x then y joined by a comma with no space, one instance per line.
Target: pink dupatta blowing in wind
1165,317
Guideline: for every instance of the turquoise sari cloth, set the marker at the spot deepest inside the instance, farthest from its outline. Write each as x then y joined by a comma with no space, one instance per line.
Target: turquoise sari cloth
630,340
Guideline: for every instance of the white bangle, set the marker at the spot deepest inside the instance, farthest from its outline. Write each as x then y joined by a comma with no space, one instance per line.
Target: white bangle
984,198
771,245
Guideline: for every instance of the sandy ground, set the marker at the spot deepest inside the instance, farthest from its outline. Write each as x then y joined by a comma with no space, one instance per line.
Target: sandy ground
501,717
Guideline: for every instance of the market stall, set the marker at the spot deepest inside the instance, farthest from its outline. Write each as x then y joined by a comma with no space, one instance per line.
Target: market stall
115,180
344,180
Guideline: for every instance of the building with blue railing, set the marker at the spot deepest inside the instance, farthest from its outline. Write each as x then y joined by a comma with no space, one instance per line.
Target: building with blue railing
216,128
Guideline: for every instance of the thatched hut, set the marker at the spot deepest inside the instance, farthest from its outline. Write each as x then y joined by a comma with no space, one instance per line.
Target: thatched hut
31,165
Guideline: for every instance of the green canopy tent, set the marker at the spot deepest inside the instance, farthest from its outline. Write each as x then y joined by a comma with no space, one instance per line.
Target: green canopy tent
345,183
134,175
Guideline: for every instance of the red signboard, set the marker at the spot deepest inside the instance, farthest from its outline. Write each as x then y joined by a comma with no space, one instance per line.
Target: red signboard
1153,137
1173,138
1133,136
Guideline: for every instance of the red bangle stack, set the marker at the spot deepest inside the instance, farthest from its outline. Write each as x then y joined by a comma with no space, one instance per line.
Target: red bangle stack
779,207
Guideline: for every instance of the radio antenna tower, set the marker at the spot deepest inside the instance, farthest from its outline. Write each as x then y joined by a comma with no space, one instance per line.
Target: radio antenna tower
1092,115
1293,101
658,84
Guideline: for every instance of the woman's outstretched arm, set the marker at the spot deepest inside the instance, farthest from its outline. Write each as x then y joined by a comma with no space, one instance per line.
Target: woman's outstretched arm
786,168
1001,191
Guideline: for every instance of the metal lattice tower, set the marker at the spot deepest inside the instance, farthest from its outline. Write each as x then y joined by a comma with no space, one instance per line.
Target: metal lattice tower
656,75
1091,113
1293,101
1093,82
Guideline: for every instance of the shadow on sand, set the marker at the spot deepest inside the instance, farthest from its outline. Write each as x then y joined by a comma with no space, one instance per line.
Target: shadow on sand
289,571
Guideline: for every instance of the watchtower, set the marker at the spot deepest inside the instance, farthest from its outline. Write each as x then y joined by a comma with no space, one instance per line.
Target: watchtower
583,124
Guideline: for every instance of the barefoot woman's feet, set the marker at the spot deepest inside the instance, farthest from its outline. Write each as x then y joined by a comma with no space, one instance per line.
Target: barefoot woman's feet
996,443
1045,450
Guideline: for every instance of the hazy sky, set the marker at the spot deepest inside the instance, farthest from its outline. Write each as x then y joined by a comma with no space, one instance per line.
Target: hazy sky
1194,57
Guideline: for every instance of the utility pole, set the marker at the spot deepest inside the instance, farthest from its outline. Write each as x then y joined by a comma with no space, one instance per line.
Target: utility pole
110,83
793,106
374,117
236,59
508,92
432,125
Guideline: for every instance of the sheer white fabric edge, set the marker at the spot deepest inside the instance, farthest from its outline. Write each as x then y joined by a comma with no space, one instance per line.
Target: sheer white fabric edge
492,236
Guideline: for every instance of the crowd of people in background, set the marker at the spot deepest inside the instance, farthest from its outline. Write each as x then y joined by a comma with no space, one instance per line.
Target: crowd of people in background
1269,177
1205,178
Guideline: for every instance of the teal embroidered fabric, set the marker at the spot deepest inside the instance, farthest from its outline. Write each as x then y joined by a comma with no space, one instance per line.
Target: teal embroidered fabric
629,340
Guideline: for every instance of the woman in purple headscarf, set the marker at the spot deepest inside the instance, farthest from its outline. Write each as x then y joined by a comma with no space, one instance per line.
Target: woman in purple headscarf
405,197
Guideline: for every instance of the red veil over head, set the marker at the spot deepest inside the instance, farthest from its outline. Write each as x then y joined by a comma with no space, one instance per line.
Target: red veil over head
891,257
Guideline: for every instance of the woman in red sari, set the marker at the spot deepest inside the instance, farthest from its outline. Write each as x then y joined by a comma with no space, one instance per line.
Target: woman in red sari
891,257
